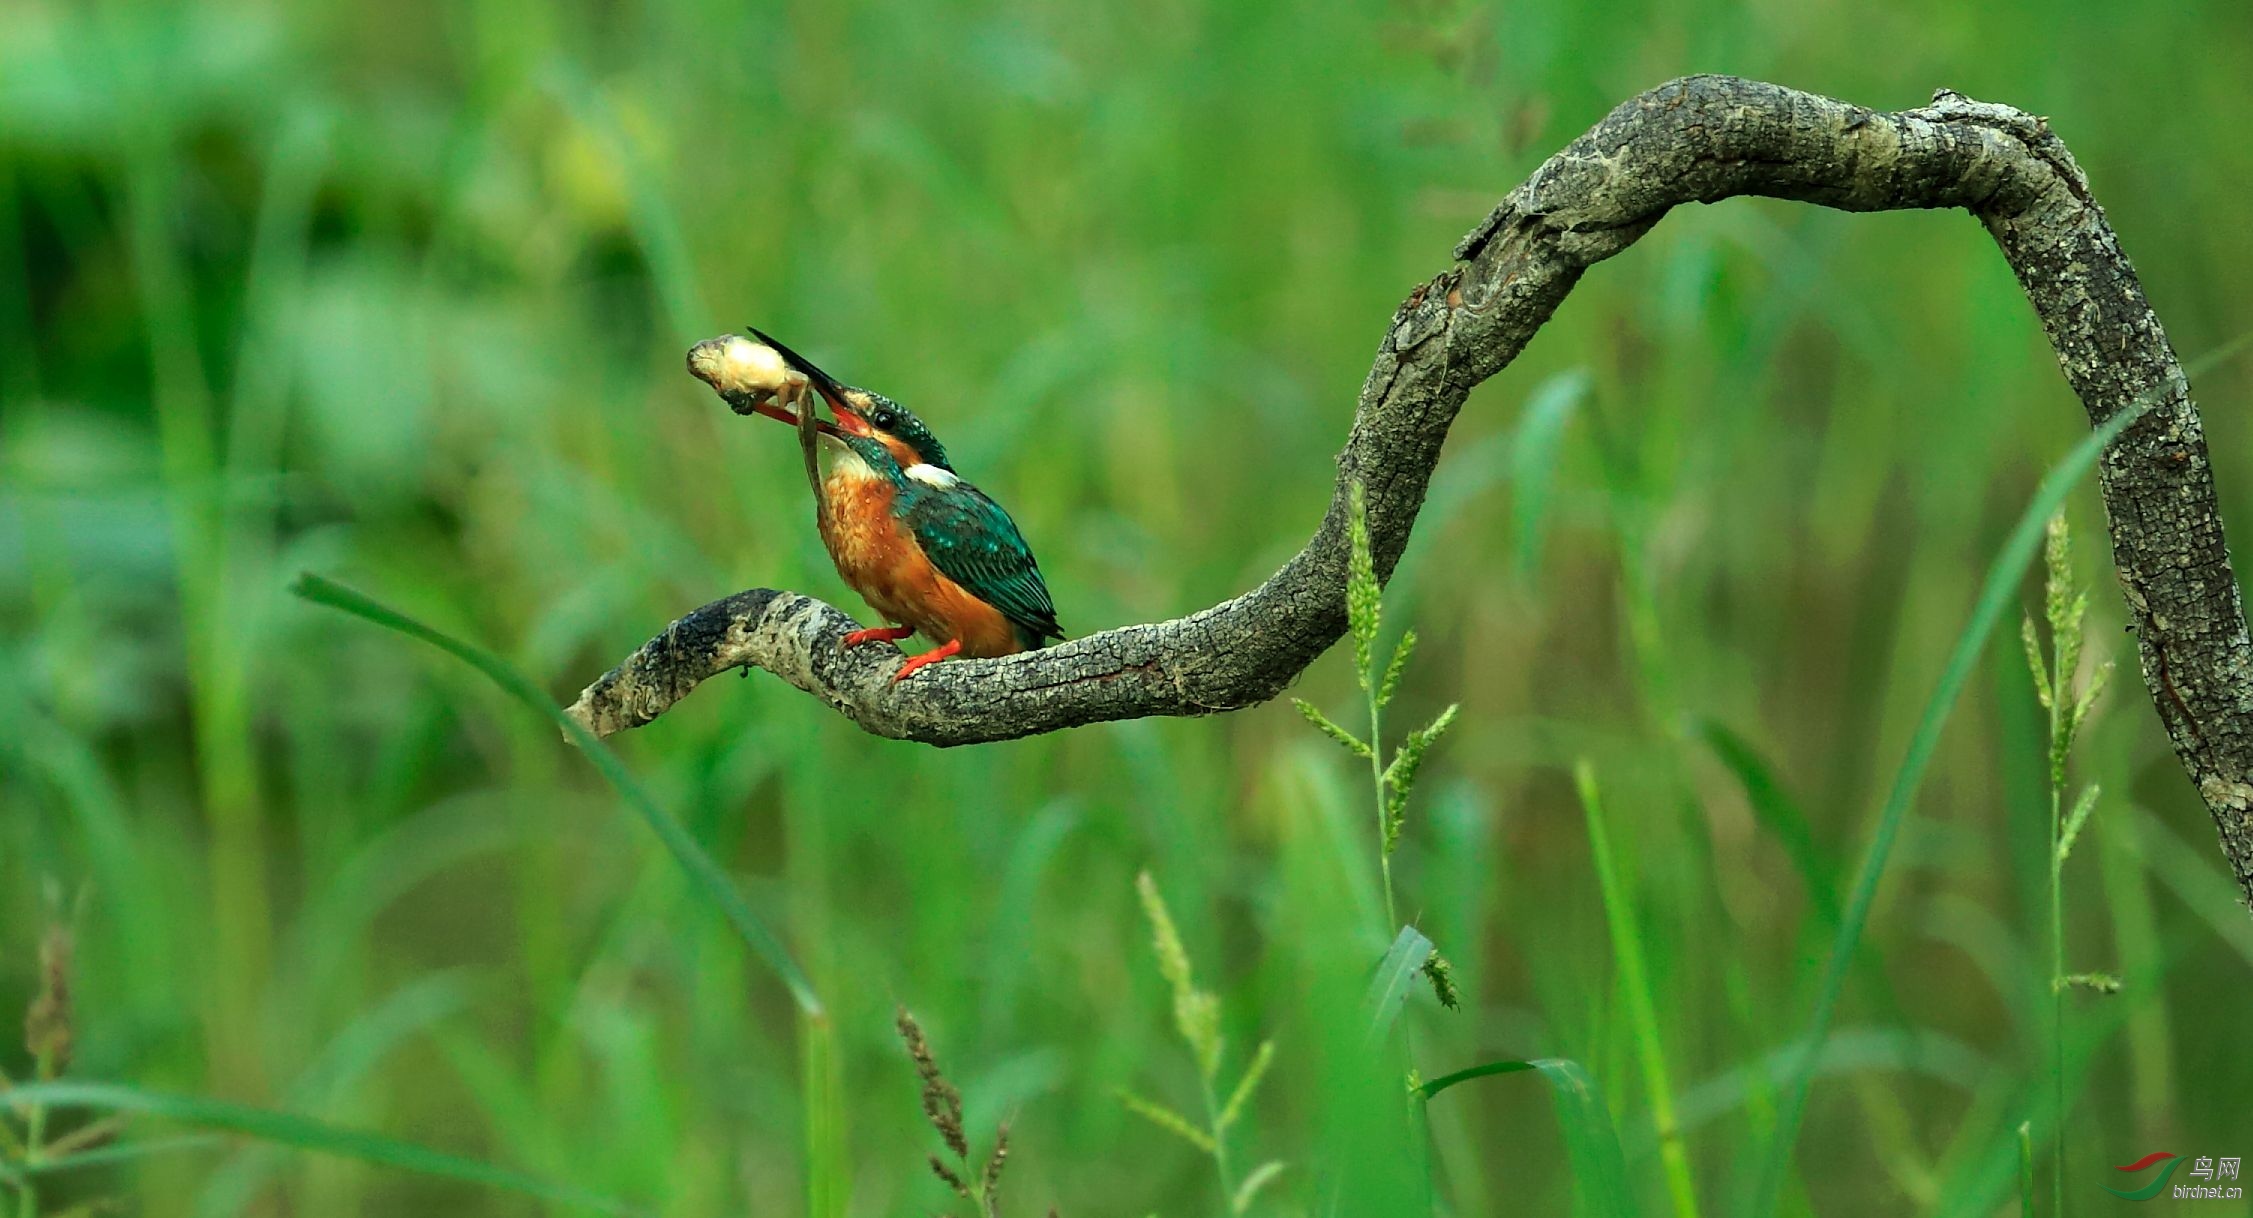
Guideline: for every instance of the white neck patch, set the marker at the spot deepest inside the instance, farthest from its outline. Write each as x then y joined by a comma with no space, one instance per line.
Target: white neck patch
932,475
844,464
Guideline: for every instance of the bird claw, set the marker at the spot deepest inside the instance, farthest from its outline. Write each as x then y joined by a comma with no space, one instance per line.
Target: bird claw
876,634
949,648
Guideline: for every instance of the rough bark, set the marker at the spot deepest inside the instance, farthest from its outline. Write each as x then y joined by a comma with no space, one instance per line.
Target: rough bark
1700,139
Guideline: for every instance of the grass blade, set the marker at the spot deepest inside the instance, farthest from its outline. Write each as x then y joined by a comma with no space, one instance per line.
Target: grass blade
2202,885
828,1173
1248,1191
1777,812
702,871
110,1156
2026,1168
1599,1171
1490,1069
1995,598
1396,975
1642,1011
305,1133
360,1049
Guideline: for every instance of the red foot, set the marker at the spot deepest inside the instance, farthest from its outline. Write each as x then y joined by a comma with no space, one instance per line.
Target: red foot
877,634
933,656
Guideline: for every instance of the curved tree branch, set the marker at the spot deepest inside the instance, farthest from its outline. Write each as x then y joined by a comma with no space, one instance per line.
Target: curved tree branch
1700,139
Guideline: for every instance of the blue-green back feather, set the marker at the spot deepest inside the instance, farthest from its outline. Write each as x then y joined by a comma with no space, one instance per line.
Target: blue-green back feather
971,540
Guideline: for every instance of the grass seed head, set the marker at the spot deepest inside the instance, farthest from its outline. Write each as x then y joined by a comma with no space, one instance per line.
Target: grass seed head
2035,663
990,1186
1395,667
1363,605
1347,740
940,1169
1245,1086
2057,565
48,1030
942,1104
1195,1012
1400,776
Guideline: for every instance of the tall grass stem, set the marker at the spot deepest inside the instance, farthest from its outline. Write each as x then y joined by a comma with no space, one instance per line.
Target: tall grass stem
702,871
1634,980
1995,596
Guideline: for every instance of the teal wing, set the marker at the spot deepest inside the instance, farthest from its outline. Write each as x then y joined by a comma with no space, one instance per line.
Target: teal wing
973,542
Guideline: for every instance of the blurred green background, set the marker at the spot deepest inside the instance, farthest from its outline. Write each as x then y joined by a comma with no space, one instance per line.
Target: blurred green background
399,293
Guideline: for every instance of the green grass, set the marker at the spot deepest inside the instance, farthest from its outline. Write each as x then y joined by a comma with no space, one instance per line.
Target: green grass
401,297
1635,985
1599,1172
710,879
1995,596
286,1129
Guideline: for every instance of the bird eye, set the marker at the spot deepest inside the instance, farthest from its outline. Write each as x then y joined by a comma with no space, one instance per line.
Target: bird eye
885,419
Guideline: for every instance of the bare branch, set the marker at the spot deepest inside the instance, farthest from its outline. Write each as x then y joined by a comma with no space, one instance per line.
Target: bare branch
1700,139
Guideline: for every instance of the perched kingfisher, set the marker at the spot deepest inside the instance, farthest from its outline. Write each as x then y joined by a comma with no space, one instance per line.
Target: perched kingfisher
922,546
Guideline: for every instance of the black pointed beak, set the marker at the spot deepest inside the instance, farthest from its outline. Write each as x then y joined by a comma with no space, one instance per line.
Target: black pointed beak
829,388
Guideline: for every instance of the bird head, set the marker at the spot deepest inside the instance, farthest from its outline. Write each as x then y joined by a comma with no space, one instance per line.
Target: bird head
862,412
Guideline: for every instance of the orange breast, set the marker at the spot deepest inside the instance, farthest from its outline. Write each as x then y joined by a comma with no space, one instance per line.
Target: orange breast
879,558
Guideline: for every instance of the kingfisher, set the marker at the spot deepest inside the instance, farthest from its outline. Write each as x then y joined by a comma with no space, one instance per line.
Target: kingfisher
924,547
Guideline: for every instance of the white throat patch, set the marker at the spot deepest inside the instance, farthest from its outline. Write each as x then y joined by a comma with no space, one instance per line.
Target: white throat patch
932,475
842,464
